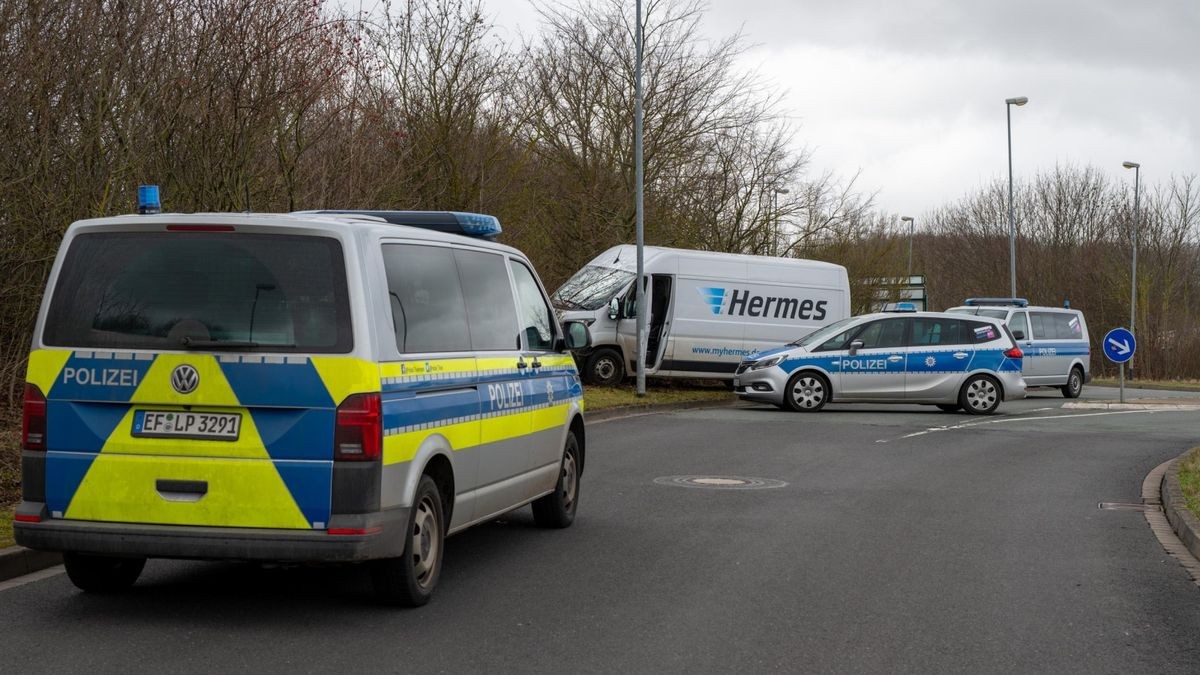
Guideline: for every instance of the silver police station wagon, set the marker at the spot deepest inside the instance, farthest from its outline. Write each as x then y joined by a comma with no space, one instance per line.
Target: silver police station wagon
947,360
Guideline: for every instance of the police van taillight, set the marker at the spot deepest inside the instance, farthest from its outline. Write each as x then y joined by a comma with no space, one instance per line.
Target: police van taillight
358,436
33,419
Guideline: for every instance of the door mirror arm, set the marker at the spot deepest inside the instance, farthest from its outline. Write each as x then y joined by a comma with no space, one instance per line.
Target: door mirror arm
855,346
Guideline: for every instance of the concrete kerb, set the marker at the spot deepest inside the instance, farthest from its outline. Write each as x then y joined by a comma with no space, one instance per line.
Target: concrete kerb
621,412
17,561
1144,405
1182,520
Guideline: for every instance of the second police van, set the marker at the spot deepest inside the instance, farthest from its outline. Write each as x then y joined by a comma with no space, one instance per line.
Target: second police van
293,387
1055,341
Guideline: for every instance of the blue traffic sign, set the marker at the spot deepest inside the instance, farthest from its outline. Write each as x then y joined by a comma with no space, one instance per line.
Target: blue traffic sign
1119,345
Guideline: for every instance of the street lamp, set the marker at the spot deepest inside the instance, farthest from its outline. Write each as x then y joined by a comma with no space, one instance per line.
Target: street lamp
775,216
1012,227
1137,168
909,220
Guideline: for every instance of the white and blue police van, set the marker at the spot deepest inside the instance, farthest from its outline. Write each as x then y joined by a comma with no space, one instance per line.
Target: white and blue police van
1055,340
307,387
905,356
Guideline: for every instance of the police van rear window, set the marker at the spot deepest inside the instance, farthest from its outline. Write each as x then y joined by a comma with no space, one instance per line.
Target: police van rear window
201,290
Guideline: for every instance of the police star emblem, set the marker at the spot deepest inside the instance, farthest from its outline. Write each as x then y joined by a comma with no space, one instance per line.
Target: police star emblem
930,362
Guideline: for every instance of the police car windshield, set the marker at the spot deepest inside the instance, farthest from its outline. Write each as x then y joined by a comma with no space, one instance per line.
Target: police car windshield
201,290
822,334
591,288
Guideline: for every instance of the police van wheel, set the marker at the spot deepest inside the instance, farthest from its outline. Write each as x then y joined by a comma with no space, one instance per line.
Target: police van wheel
806,392
980,395
102,574
557,509
1074,386
604,368
409,581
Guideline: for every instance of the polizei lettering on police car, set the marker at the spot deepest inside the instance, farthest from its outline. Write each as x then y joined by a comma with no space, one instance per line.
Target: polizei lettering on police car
505,395
744,304
101,377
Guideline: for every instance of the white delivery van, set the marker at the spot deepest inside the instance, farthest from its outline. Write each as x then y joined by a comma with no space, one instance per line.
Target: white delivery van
706,310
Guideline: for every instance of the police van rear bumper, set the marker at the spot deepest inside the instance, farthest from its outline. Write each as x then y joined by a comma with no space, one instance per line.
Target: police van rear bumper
357,537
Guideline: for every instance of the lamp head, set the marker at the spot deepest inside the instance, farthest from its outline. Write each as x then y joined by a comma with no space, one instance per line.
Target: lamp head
1130,165
1020,100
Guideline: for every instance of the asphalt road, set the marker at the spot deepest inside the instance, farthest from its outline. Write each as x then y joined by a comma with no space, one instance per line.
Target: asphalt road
905,540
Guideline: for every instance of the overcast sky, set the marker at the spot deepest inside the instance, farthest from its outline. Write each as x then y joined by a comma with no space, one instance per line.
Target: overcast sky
911,92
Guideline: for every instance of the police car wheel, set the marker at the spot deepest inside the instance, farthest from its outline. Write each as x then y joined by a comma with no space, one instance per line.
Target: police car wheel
604,368
409,581
1074,386
980,395
557,509
806,392
102,574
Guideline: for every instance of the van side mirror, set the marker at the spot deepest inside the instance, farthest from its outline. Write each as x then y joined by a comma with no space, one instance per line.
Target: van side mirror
576,336
614,308
1019,334
855,346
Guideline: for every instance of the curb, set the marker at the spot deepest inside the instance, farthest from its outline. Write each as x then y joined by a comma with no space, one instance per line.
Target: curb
1183,522
17,561
1130,406
624,411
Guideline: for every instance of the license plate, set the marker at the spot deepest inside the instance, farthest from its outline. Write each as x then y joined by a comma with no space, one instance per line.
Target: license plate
200,425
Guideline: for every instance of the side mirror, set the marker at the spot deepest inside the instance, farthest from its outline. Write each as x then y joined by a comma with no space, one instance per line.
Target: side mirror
855,346
1019,334
614,308
576,336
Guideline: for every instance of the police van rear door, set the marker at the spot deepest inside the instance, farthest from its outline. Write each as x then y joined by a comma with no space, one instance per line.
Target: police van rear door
192,375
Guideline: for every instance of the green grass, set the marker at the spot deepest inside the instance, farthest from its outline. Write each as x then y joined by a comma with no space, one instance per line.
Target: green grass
1171,385
599,398
1189,480
6,535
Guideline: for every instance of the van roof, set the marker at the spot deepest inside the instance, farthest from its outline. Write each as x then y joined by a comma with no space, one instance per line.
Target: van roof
340,223
652,252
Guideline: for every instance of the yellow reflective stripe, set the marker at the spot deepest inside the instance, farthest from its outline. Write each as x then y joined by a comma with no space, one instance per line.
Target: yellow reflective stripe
421,369
403,447
553,417
558,360
241,493
343,376
44,367
249,444
156,388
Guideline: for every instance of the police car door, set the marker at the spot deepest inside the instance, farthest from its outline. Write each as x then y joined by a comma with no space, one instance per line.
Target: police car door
876,368
939,355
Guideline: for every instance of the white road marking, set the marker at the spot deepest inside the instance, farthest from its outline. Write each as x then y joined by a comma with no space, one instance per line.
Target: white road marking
32,577
1019,418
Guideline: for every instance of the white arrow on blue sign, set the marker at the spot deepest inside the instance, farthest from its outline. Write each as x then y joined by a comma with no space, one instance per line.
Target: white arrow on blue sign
1119,345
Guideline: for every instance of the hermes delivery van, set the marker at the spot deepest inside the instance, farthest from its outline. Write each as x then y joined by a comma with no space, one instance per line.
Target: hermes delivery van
706,310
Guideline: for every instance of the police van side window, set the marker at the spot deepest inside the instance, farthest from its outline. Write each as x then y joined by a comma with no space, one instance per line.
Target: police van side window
491,312
428,311
1042,324
534,315
1067,326
1018,323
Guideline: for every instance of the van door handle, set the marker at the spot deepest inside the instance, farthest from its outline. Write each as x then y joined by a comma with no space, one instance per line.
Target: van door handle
181,490
961,355
521,363
536,363
894,358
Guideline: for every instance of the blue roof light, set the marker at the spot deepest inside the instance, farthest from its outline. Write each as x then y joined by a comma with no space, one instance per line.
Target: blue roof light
1002,302
478,224
148,201
903,307
453,222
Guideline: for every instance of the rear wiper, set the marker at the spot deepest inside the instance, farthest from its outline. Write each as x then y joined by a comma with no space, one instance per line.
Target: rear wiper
193,343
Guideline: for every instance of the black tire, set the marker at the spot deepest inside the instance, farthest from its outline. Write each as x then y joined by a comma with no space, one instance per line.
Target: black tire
557,509
980,395
604,368
807,391
409,581
102,574
949,407
1074,386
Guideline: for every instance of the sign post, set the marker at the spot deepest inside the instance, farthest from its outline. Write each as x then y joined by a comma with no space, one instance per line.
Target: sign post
1119,346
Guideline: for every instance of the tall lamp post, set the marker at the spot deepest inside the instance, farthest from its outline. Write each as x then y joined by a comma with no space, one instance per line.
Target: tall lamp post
1012,227
1137,168
909,220
775,217
639,285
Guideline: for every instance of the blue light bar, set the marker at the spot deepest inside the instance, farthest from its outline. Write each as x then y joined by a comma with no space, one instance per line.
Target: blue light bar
996,302
148,201
903,307
453,222
478,224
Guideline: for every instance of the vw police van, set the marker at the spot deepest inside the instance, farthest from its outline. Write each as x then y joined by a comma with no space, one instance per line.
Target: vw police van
293,387
706,310
1055,340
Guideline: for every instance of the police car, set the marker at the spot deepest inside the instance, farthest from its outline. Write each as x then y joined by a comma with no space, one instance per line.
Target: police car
947,360
293,387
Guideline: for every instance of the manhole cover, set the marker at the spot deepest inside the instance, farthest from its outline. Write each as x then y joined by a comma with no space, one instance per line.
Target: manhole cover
721,482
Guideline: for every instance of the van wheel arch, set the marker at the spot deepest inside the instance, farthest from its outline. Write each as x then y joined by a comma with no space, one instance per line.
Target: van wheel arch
439,469
577,429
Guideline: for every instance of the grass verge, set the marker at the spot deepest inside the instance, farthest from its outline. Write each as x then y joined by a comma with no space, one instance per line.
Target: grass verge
1168,385
600,398
6,535
1189,480
10,479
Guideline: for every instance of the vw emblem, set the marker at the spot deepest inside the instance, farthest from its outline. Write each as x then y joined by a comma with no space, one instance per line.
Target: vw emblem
185,379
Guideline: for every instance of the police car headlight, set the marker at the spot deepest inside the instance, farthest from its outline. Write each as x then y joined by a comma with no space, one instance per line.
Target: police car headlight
766,363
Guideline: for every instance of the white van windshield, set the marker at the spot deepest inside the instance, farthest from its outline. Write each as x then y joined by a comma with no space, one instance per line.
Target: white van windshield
591,288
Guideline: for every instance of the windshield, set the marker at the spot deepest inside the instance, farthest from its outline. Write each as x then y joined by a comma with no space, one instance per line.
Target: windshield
591,288
822,334
168,290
